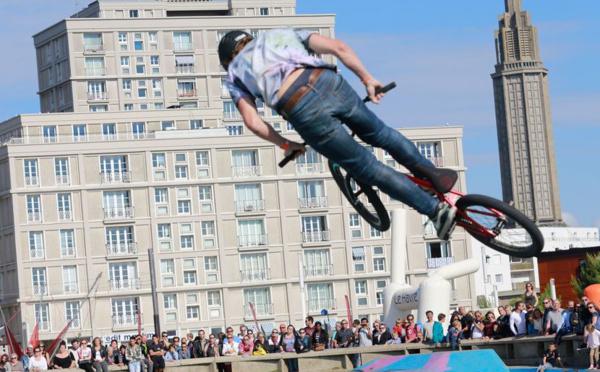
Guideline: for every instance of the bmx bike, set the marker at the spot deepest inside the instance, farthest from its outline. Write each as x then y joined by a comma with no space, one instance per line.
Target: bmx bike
492,222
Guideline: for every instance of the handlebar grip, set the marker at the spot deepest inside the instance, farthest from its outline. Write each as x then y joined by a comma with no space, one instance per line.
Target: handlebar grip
289,158
383,89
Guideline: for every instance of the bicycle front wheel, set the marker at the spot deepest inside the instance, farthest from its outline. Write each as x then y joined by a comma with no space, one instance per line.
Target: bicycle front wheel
499,226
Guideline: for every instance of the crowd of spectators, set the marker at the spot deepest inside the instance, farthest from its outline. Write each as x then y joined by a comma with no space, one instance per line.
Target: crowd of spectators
141,354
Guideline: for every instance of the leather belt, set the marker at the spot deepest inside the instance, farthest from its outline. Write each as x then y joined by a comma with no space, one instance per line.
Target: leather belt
289,104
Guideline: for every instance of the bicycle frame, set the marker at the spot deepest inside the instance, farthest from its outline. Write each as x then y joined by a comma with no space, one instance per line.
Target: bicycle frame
463,218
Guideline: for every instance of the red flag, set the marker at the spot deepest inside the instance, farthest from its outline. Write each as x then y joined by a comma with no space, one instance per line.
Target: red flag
139,322
254,315
34,341
58,339
12,342
348,309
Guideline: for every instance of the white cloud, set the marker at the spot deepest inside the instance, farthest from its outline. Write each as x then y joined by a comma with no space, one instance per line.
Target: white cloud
570,219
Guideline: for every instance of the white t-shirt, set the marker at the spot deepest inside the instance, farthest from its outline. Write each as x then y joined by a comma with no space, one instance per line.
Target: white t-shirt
428,330
593,339
40,363
517,322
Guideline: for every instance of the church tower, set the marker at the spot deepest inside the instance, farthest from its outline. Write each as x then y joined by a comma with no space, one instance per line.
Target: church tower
523,120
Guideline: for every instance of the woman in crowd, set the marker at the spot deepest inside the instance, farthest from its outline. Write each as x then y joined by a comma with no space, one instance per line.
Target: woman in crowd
185,350
84,354
592,340
246,346
320,338
273,342
212,347
411,330
477,326
395,340
259,345
134,355
530,297
489,325
171,355
439,328
454,334
305,341
290,343
3,362
114,355
14,364
38,362
63,358
535,326
99,355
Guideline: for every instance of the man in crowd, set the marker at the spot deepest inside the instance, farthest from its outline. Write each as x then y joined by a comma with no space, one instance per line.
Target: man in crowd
517,320
554,320
310,326
199,345
382,336
428,327
466,321
343,338
157,352
364,333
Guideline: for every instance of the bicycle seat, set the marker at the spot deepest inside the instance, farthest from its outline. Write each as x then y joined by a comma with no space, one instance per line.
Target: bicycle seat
442,179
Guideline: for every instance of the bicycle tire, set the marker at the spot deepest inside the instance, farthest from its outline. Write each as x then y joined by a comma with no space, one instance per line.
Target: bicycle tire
523,251
380,219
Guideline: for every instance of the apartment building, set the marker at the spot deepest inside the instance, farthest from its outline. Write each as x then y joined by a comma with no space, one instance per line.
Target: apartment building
89,192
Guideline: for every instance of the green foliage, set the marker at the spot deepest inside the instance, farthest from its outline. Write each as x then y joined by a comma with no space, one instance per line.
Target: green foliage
483,302
589,274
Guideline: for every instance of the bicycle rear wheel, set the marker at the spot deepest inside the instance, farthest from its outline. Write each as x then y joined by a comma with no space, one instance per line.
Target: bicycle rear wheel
380,219
499,226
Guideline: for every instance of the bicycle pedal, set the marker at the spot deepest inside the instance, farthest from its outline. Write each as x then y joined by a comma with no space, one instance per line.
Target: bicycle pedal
450,231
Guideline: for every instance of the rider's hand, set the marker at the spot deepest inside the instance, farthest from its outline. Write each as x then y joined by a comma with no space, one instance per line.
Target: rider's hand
371,85
295,146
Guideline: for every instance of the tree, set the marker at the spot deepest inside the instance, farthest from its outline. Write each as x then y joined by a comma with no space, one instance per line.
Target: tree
589,273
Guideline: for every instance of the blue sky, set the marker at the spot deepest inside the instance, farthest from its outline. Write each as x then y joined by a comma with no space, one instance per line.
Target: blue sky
440,53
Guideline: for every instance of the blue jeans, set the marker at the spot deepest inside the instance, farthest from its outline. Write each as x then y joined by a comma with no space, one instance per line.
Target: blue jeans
318,118
135,366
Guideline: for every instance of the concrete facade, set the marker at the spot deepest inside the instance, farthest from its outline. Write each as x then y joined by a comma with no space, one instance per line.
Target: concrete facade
523,119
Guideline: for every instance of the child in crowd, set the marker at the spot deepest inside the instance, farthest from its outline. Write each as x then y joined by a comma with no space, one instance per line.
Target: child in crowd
592,339
454,334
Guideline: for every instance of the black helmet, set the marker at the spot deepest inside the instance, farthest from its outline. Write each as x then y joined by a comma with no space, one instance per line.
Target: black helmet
227,45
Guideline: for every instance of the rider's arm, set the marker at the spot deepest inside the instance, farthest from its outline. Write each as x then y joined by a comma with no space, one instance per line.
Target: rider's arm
325,45
258,126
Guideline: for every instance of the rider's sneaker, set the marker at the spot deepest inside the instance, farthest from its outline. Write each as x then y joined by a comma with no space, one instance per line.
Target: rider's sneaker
443,220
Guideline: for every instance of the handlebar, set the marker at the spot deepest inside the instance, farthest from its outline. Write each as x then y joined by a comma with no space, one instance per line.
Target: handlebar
294,153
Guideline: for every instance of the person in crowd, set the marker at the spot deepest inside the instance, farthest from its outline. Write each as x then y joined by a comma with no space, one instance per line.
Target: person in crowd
273,342
502,324
383,336
551,358
489,325
355,325
365,337
14,364
230,347
3,362
240,336
411,330
586,313
455,334
185,349
211,349
134,355
375,329
439,330
171,355
398,327
45,352
577,320
478,326
177,345
290,343
99,355
530,297
157,354
247,346
26,356
63,359
38,362
320,338
592,340
517,321
535,326
428,327
309,325
260,347
565,325
554,318
305,341
164,340
343,337
143,343
547,302
114,354
395,340
466,321
84,356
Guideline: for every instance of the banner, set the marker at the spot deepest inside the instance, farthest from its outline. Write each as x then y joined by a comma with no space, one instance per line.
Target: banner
54,345
253,310
12,342
348,310
34,340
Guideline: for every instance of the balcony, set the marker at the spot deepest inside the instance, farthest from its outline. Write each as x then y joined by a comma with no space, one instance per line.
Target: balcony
186,93
65,215
124,284
323,270
118,213
182,46
254,240
122,249
315,236
97,96
185,69
309,168
438,161
255,275
93,48
246,171
124,320
262,311
311,203
49,139
63,180
40,289
34,216
70,287
249,206
436,262
316,305
115,177
95,71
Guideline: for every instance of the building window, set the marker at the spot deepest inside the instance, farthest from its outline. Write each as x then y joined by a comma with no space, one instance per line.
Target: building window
142,91
109,131
69,277
184,207
39,281
125,312
192,309
309,162
311,194
189,272
117,204
202,164
360,288
320,296
182,40
123,41
314,229
355,226
61,171
196,124
378,263
153,40
34,208
251,233
317,262
213,298
119,240
167,272
358,257
42,316
94,66
186,88
155,64
438,249
264,11
79,132
36,244
248,197
134,13
125,69
92,42
186,236
67,243
211,268
375,233
230,111
63,203
30,169
50,133
138,130
205,198
208,234
234,129
432,151
499,278
138,41
128,107
260,298
73,313
181,172
254,267
380,286
113,168
170,306
245,163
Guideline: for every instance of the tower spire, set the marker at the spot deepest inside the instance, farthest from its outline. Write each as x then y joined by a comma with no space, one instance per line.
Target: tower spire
512,6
